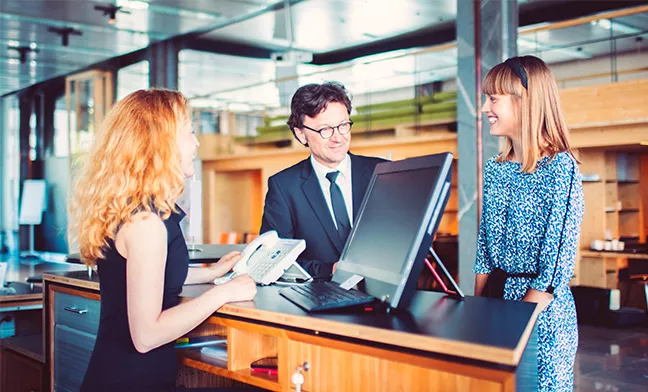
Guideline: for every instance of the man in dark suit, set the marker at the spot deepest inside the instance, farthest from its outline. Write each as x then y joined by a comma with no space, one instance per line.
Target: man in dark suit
318,198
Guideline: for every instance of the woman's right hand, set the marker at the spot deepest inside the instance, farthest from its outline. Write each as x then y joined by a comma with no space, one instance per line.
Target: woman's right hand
241,288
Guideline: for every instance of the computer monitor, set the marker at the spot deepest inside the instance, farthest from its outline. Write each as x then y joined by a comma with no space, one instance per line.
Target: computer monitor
398,218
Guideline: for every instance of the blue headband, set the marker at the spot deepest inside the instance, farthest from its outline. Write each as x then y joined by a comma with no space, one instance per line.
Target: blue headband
514,64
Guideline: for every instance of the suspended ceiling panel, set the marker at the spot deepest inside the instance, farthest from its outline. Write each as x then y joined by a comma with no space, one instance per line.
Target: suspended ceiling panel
27,23
325,25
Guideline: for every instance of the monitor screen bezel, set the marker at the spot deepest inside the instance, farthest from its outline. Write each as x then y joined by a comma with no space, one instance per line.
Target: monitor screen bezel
435,205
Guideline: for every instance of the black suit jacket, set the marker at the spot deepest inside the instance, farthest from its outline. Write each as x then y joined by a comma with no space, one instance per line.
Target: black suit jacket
295,207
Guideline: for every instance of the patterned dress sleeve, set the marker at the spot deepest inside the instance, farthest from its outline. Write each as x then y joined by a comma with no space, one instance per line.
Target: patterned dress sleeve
483,263
557,253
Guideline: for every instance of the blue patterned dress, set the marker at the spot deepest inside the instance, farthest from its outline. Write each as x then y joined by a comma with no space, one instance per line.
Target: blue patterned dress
522,220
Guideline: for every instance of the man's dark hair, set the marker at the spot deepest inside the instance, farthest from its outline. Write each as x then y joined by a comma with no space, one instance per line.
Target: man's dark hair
309,100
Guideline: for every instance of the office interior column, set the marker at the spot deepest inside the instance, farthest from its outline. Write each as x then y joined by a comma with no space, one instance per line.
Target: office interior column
163,64
486,35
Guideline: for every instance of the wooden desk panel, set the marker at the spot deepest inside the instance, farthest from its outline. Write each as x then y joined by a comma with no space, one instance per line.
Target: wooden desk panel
337,366
436,323
440,344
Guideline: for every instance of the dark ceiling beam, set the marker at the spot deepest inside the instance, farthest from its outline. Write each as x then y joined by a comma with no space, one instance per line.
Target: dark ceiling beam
427,36
230,48
530,13
112,64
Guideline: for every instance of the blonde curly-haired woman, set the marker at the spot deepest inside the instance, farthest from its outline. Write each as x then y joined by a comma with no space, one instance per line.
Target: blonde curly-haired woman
126,221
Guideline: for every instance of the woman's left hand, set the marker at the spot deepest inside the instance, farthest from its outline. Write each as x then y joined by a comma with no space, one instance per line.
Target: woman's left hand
539,297
225,264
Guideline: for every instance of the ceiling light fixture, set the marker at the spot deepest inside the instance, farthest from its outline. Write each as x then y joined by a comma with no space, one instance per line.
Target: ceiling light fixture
65,33
110,10
23,50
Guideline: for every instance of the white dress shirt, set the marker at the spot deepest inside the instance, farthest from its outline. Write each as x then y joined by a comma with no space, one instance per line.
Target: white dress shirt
343,181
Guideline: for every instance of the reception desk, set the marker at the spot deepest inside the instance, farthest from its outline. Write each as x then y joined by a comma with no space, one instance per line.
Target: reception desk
440,344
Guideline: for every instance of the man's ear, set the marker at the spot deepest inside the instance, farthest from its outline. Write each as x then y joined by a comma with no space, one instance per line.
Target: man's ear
299,134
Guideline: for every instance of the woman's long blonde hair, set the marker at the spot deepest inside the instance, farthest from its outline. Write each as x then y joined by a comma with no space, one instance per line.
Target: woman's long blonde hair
132,166
543,131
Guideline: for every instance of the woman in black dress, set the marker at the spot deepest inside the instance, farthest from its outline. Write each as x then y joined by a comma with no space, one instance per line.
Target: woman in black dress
126,221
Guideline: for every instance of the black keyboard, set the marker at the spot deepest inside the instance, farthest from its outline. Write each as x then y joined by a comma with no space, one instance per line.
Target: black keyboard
317,296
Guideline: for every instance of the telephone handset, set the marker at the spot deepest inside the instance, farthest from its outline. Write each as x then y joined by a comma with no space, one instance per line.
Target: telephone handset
266,258
268,239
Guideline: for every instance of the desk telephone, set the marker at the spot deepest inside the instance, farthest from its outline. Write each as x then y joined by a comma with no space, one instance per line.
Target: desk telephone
266,258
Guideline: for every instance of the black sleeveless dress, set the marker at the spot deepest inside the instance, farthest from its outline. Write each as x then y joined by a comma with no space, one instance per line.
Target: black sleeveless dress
115,364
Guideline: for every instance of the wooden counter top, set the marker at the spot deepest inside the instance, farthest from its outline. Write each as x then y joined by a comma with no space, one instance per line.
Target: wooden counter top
625,255
489,330
25,295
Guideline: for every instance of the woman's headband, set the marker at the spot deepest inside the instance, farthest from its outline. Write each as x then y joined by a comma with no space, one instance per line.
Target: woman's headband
514,64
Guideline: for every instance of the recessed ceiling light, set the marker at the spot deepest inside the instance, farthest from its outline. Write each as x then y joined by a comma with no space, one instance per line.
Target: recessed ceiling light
133,4
32,63
13,61
14,43
33,45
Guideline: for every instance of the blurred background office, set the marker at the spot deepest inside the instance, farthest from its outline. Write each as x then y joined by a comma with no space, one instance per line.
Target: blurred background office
414,69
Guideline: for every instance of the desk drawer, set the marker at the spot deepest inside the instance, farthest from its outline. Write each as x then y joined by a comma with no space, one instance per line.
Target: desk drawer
72,352
77,312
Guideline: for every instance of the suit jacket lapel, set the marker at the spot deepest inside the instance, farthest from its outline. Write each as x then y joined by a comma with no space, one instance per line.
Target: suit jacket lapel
313,192
360,177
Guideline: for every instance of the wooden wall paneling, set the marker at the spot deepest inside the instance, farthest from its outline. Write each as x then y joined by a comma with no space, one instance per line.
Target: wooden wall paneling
611,224
629,195
611,166
594,219
611,196
602,135
234,202
592,272
630,224
605,103
347,366
210,218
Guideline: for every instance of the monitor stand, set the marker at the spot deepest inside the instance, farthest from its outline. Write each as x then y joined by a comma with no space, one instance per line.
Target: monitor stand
30,257
454,291
295,274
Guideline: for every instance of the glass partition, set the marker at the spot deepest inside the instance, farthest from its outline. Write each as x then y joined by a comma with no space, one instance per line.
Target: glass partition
9,171
132,78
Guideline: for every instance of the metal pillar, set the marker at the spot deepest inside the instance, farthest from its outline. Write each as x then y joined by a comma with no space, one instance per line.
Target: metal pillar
486,36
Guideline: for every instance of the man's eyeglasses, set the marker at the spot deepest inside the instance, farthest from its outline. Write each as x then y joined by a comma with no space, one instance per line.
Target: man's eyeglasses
327,132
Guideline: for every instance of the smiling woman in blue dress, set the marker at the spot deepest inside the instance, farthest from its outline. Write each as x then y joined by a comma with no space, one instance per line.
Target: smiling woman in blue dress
532,210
